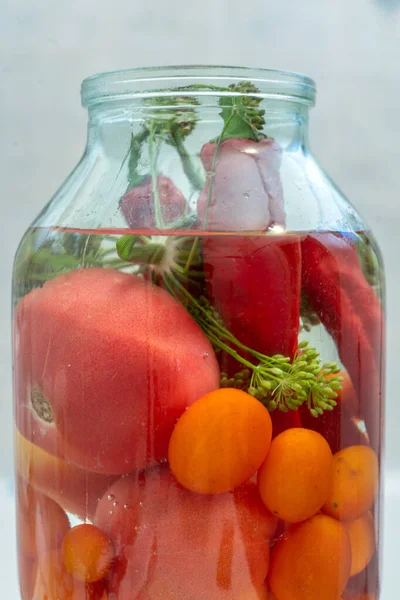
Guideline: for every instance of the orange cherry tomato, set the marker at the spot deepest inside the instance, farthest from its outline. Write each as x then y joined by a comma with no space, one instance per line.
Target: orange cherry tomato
87,553
355,483
220,441
312,561
296,477
362,539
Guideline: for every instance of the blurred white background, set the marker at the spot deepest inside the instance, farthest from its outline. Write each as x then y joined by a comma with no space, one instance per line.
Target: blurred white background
352,50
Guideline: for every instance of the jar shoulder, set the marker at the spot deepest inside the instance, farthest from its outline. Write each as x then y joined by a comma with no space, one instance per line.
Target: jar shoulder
313,201
90,196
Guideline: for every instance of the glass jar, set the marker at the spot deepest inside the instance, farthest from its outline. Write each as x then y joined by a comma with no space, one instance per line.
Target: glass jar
198,351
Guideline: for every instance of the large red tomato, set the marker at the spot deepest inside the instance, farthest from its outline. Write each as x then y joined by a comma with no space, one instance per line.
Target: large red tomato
105,365
172,543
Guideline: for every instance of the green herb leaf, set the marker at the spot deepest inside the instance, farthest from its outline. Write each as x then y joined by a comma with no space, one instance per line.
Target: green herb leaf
139,250
125,245
242,114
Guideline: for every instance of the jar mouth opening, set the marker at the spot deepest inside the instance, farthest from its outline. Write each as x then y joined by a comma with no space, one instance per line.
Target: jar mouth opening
195,80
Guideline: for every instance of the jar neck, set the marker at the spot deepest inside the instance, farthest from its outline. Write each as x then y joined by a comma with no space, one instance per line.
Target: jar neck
112,124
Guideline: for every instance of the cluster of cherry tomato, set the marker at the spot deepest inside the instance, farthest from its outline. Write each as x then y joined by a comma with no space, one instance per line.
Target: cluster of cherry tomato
305,520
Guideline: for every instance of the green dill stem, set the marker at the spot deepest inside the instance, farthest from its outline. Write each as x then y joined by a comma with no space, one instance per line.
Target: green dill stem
261,357
184,276
154,181
193,274
149,254
212,337
191,255
214,163
190,169
185,254
145,239
118,264
105,252
135,150
214,328
178,268
86,250
170,288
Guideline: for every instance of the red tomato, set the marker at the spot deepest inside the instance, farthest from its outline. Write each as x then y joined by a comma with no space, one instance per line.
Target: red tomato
173,543
111,362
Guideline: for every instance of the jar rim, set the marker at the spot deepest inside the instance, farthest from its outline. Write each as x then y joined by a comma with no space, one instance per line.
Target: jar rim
195,80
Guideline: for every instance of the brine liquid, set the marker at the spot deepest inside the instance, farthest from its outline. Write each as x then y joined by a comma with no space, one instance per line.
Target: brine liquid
113,345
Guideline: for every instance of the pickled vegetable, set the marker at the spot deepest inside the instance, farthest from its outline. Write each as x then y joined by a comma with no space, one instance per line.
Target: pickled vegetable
220,442
296,477
198,363
355,482
97,400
